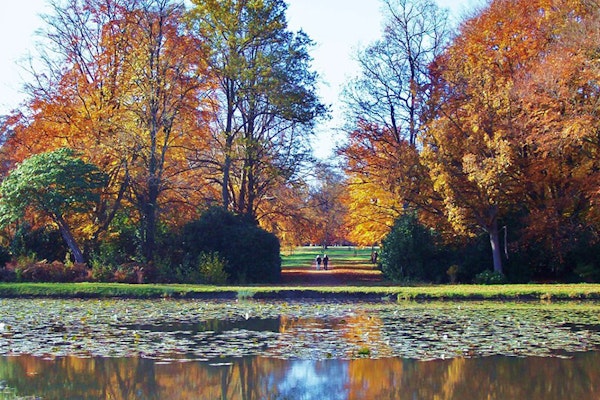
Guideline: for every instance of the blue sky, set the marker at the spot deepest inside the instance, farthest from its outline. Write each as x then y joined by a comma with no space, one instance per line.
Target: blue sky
339,28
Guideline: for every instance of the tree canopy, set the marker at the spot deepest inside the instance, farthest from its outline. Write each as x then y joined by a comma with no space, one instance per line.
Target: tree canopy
506,133
56,184
142,89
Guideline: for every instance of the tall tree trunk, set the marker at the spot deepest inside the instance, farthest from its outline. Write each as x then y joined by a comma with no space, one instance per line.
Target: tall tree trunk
69,239
153,182
251,195
495,243
229,136
226,171
248,187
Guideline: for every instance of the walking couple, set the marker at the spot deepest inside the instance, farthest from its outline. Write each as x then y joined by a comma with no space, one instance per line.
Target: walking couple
324,260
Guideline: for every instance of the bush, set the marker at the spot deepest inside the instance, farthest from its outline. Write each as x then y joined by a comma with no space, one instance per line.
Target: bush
488,277
124,273
410,252
101,272
45,243
587,272
250,254
128,273
209,268
27,269
212,268
5,256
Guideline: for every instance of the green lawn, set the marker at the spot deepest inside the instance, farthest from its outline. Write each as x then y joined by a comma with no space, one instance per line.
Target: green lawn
545,292
341,256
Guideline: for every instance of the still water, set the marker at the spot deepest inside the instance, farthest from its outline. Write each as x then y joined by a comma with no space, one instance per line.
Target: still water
497,377
168,349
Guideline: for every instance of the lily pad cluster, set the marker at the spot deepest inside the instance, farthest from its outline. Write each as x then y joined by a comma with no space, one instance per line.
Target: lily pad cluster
182,330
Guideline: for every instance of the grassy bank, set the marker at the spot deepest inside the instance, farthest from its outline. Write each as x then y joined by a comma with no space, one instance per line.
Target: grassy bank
374,293
339,256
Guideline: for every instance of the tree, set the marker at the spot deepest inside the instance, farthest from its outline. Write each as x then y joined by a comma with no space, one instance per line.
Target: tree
474,147
167,85
386,178
560,119
266,102
327,210
286,213
393,88
57,184
385,108
125,84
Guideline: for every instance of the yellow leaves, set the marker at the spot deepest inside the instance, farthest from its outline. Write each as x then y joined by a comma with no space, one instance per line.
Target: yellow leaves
577,129
489,168
371,211
471,151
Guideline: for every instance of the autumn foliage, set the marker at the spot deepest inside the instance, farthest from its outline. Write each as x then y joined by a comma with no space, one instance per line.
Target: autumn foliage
487,135
508,142
134,88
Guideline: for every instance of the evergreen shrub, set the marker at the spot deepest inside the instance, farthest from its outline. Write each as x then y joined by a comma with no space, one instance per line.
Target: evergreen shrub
249,253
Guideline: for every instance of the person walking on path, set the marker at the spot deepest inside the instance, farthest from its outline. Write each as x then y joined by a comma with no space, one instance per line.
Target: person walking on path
319,262
325,261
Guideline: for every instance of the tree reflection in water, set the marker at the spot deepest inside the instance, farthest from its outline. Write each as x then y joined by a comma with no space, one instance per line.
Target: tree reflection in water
267,378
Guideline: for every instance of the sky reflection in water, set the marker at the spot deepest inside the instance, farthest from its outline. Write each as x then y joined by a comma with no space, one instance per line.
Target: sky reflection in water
263,378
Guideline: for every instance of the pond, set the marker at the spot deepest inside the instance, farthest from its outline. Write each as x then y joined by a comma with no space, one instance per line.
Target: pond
133,349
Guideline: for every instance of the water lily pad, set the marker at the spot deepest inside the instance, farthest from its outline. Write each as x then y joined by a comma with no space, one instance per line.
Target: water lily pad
199,330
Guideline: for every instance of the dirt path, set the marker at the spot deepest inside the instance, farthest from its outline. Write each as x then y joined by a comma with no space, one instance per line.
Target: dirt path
336,276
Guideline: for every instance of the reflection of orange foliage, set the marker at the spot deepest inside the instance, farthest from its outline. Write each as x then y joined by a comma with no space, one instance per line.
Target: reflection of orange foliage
454,376
259,378
367,382
285,323
364,330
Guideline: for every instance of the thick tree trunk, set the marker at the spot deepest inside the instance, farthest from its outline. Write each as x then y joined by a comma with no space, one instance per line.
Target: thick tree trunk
69,239
495,243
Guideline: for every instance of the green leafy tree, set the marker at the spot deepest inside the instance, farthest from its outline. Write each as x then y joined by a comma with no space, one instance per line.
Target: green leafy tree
265,99
409,251
56,184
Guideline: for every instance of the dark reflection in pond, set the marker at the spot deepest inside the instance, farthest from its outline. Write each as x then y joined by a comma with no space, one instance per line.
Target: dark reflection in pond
268,378
211,325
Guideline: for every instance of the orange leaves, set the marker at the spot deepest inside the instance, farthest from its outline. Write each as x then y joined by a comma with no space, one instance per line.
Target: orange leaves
516,129
385,175
560,98
474,143
127,93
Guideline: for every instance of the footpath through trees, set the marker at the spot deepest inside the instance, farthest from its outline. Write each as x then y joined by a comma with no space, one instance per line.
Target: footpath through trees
347,266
